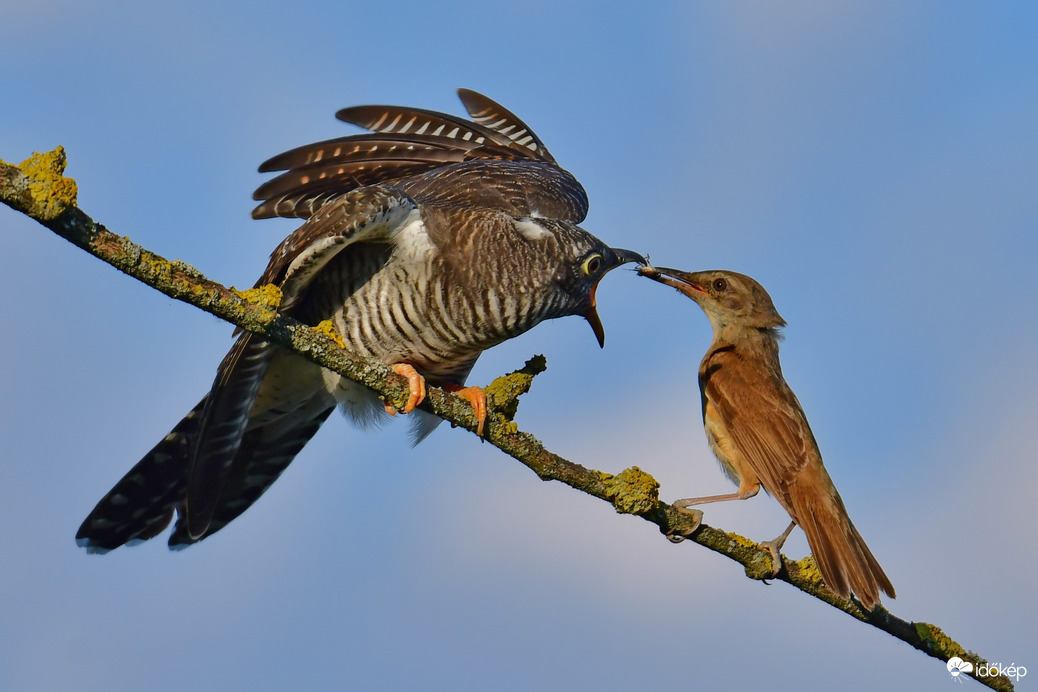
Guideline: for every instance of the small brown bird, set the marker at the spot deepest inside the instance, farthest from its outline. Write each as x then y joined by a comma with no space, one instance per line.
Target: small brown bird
759,433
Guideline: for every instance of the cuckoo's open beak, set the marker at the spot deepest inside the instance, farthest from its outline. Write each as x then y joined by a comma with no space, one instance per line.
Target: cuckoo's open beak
619,257
595,321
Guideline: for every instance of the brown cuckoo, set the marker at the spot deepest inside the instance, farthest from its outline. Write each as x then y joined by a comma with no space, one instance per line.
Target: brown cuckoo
758,431
426,241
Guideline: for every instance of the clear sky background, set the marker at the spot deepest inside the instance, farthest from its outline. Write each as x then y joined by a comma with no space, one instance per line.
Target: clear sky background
873,164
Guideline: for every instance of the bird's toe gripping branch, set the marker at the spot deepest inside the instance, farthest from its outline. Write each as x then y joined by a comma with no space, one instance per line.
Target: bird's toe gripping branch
416,385
774,546
502,394
677,535
475,396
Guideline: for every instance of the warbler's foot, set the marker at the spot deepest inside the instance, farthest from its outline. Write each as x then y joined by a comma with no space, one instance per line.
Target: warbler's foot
775,545
697,518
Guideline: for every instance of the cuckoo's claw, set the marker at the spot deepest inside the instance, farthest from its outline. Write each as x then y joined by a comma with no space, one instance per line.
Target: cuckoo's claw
415,382
475,396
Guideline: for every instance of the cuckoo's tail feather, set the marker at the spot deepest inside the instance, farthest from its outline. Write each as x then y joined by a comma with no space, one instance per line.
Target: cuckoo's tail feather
264,453
142,503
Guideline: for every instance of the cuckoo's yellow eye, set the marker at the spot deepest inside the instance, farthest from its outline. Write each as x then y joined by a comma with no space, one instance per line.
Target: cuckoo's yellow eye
592,264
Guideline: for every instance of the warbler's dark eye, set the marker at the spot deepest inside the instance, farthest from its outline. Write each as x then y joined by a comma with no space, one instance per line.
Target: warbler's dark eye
592,264
720,285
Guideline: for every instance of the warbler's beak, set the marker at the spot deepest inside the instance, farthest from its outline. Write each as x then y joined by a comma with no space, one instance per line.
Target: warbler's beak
685,282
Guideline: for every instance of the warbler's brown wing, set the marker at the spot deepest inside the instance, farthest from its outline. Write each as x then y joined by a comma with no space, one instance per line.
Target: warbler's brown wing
765,421
761,416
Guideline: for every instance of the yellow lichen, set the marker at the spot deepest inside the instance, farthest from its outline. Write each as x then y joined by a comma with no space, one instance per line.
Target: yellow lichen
504,392
632,491
507,427
50,190
808,570
267,296
159,267
328,329
742,541
933,636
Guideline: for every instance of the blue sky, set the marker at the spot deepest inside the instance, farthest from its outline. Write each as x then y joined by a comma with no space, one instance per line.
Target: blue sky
874,165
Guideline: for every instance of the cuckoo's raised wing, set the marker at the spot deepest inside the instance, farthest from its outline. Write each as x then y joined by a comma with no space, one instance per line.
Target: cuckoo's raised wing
417,144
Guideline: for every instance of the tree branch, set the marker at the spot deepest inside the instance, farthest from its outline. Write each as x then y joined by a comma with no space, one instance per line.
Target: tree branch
38,189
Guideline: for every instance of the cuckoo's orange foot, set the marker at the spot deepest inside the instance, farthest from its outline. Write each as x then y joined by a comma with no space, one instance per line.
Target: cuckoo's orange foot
415,382
475,396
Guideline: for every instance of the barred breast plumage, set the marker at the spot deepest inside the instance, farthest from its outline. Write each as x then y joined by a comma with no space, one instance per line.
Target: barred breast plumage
425,243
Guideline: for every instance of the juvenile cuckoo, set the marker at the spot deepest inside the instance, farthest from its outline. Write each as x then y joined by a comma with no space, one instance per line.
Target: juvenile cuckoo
758,431
426,242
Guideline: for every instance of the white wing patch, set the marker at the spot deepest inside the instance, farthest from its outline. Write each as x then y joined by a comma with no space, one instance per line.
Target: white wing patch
412,238
531,230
